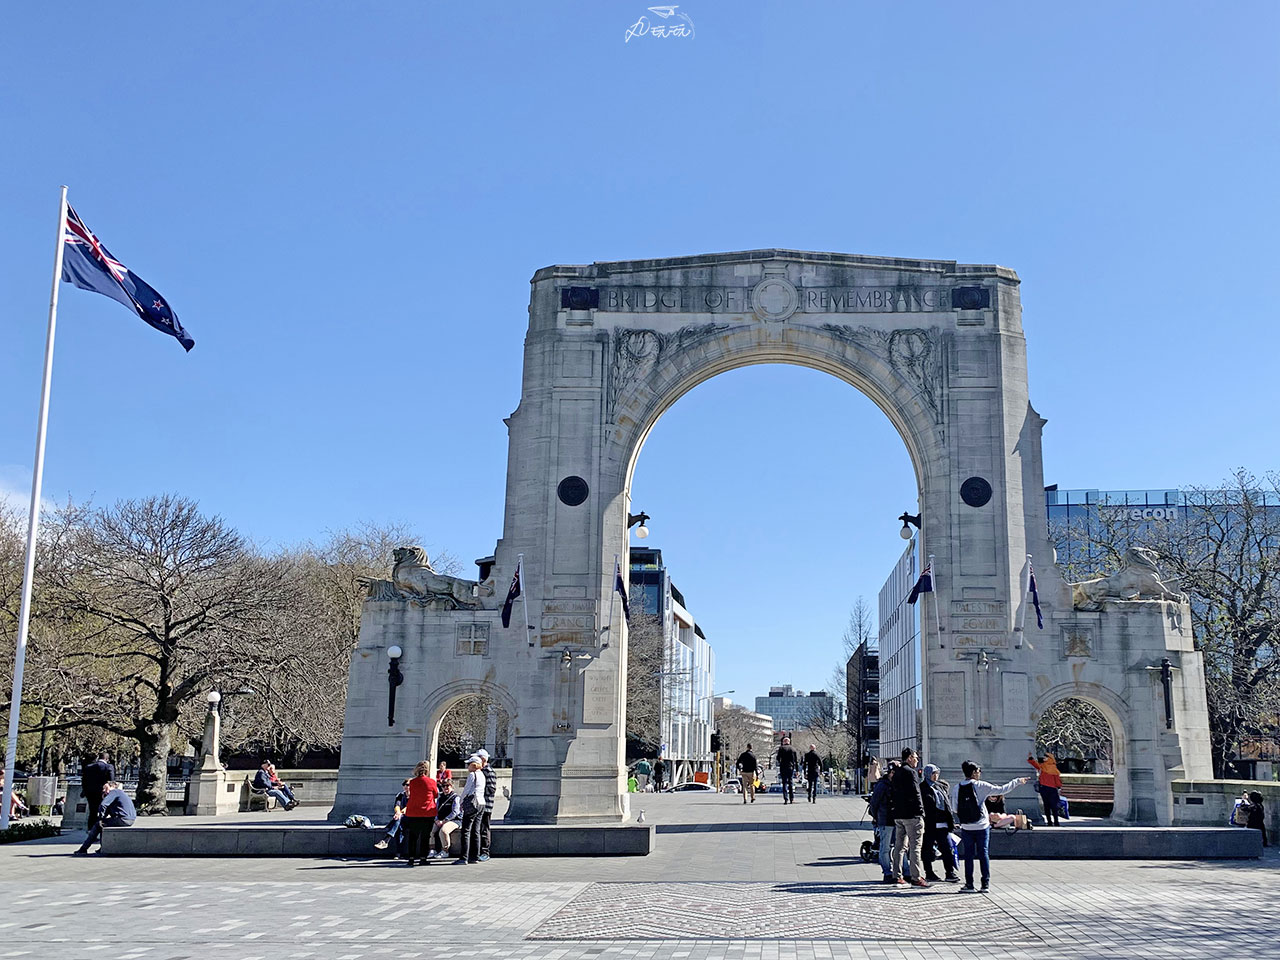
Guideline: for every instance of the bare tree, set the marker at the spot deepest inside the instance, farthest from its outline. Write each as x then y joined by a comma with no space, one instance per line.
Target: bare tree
300,706
1075,729
164,603
646,663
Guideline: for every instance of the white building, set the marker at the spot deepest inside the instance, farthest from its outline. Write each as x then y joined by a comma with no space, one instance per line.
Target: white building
900,666
687,713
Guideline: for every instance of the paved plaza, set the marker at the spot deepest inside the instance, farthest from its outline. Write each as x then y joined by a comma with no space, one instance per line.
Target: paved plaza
727,880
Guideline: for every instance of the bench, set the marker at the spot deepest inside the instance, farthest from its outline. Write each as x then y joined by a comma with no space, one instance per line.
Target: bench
1089,799
257,797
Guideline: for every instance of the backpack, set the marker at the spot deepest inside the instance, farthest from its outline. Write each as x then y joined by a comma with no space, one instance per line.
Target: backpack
1240,815
967,808
357,821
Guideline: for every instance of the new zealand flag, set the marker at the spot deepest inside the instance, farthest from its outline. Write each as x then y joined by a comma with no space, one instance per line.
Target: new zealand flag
512,594
90,266
923,585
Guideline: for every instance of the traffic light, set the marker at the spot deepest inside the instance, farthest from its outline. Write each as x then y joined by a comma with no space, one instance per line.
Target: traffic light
715,742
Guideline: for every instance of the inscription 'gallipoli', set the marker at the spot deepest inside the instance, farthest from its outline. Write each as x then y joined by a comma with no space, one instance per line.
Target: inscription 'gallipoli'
811,299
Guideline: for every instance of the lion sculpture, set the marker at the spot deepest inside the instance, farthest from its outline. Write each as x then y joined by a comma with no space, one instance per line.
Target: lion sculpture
1138,579
414,575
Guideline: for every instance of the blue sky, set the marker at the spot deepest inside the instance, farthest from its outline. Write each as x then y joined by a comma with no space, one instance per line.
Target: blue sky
345,203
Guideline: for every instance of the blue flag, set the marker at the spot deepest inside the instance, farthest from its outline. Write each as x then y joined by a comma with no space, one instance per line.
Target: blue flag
90,266
923,585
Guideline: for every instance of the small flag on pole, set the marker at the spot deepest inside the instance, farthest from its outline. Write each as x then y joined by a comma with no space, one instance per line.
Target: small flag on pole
621,588
923,585
90,266
1035,595
512,594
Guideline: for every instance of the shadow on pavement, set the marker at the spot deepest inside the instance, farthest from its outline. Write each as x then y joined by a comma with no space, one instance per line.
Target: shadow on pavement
803,826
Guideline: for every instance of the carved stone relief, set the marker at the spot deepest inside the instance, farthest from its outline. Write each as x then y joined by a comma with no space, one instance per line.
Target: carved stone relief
637,352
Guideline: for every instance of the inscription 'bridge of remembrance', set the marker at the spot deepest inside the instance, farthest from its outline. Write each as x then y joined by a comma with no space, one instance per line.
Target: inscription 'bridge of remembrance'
939,347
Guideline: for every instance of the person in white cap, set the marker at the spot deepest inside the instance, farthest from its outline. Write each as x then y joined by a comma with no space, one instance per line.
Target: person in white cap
490,792
472,808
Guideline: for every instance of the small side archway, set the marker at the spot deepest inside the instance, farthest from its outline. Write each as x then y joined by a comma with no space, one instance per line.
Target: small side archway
438,702
1116,712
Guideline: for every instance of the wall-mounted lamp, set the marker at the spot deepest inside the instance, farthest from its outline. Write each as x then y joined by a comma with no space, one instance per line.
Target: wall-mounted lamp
394,679
1166,678
906,518
641,518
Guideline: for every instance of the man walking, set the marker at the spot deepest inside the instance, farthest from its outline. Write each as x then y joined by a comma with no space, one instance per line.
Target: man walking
747,768
93,777
115,809
643,771
490,792
880,810
788,764
659,773
812,771
908,819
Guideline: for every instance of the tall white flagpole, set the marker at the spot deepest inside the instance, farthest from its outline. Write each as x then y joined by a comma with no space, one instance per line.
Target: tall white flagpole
1020,629
937,616
524,598
33,521
613,588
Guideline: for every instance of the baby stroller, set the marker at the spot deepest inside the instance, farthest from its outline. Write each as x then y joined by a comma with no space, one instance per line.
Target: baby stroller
870,849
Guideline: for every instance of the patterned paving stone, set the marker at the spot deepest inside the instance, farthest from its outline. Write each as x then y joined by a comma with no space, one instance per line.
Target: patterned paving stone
773,911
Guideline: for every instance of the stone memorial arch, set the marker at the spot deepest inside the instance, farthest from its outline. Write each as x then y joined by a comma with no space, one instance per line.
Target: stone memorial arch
939,347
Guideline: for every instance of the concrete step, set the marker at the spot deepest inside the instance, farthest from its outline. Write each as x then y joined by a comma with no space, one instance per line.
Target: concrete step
1127,843
149,838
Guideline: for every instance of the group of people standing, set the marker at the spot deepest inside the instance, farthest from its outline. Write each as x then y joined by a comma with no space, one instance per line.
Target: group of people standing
428,812
914,816
790,763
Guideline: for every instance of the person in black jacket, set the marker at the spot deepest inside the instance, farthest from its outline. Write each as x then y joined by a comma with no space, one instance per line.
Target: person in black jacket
1257,815
748,766
93,777
880,810
908,820
812,771
939,821
788,765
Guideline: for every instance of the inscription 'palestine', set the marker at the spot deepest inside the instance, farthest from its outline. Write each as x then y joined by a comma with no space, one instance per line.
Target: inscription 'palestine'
738,299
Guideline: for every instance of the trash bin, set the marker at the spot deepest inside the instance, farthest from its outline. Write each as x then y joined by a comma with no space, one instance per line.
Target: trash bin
41,791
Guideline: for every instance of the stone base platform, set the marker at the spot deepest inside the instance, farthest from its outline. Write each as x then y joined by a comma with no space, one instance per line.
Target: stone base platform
1127,843
181,837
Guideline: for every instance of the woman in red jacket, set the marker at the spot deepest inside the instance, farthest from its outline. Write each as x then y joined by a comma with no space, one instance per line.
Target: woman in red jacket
1050,784
420,813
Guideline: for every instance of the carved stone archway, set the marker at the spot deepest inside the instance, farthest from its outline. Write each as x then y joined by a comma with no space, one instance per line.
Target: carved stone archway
939,347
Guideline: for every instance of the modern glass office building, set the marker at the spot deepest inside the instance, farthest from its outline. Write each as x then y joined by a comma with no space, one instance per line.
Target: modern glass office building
901,669
689,666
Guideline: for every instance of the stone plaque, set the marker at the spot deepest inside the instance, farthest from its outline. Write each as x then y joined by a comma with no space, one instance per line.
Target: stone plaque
599,697
946,699
1077,640
975,641
979,616
1017,703
569,620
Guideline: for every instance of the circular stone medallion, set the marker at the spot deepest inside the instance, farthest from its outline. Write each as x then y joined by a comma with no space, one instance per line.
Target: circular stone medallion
774,298
572,491
976,492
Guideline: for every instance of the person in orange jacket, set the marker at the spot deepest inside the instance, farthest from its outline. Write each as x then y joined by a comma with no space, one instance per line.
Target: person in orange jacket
1050,784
